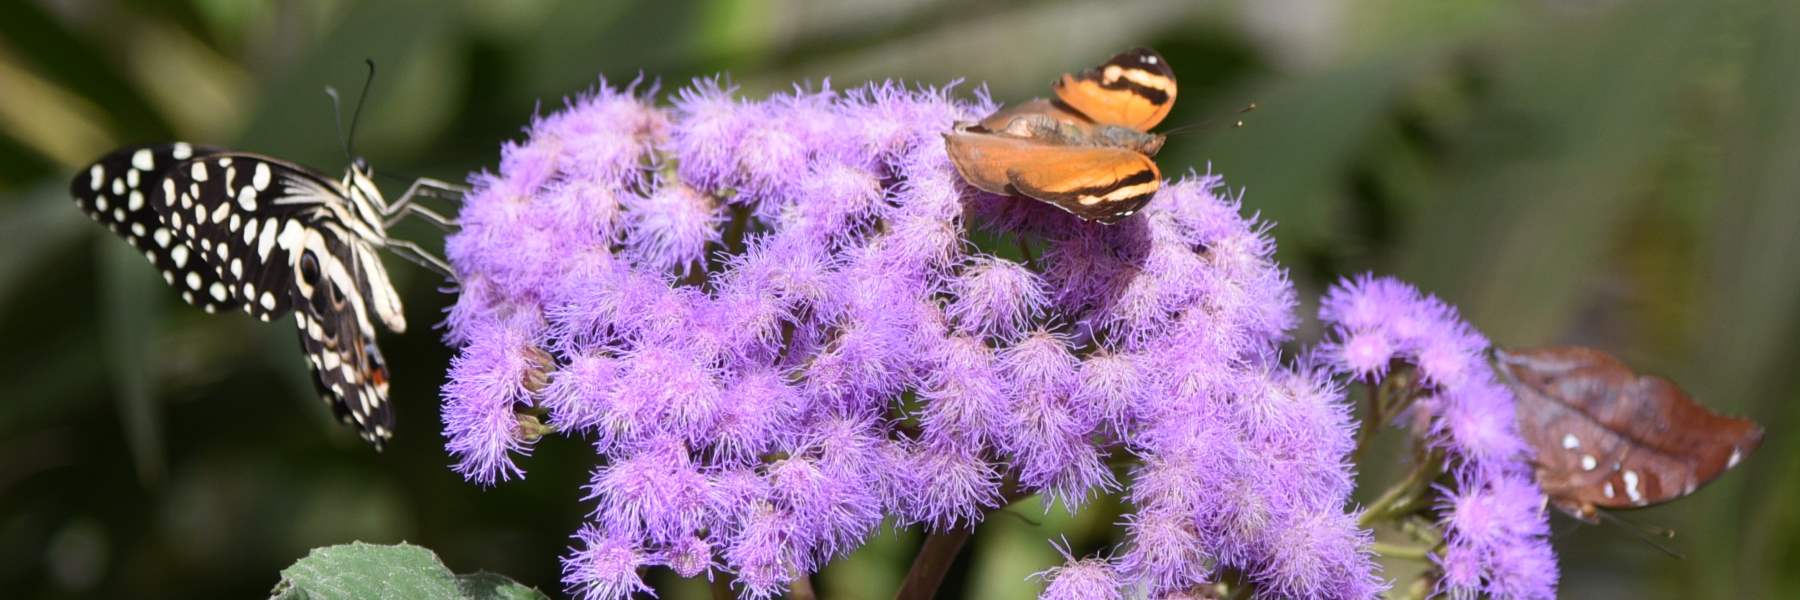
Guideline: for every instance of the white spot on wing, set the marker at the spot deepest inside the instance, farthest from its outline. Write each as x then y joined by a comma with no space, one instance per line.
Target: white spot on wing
181,151
180,255
1631,487
217,290
268,301
198,172
261,178
266,242
1588,462
1607,489
193,281
161,235
1736,456
246,198
96,176
143,160
136,201
1570,442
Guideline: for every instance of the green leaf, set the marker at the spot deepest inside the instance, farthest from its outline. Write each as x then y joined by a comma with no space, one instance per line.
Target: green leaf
482,585
360,570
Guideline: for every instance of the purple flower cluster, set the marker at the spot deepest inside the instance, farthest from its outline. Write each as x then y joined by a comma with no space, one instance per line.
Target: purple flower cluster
1494,518
769,319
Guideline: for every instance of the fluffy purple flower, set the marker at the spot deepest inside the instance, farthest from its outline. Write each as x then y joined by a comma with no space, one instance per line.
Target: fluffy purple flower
770,322
1081,579
1496,528
604,566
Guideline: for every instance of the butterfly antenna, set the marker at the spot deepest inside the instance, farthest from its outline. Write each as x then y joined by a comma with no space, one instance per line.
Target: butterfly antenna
1648,533
1235,123
350,140
337,116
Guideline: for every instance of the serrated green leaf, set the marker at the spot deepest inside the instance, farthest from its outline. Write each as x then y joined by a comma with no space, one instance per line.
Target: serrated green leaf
398,571
359,570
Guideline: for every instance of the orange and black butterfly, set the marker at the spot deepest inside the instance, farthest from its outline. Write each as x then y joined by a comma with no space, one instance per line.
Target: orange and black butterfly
1087,151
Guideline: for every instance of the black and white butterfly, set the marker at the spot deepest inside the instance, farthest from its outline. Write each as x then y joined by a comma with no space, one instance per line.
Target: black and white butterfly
233,230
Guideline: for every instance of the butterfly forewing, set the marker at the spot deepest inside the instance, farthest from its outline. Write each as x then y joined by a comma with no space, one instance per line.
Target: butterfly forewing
1135,88
244,213
1096,183
1606,437
121,191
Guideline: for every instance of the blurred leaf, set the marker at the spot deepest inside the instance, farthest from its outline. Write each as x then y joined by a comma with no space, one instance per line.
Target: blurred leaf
201,91
58,125
294,119
1305,133
42,223
80,64
400,571
129,295
1752,313
1519,227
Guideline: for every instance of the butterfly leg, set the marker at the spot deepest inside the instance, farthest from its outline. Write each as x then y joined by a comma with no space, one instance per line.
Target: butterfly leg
419,256
404,206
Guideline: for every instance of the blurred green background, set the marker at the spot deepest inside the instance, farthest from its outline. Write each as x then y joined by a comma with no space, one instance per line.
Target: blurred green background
1616,173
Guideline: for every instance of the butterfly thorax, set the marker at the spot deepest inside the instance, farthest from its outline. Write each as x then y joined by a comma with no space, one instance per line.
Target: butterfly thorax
365,203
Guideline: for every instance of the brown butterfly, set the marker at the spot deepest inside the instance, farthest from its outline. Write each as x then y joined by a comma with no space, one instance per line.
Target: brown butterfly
1087,151
1606,437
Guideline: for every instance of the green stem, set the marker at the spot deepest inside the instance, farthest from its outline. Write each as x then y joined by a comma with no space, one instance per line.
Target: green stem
1367,431
1403,495
1401,551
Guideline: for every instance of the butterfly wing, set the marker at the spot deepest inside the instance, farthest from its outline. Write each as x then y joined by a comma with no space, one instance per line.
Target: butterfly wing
1134,89
273,238
122,190
242,214
332,314
1092,182
1606,437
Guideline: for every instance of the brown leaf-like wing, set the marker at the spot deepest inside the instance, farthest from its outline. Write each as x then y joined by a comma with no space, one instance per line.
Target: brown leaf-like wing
1607,437
1134,89
1092,182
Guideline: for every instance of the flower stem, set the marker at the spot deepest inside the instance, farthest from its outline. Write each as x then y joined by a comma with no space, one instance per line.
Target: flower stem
932,563
939,552
1402,497
801,588
1371,424
1401,551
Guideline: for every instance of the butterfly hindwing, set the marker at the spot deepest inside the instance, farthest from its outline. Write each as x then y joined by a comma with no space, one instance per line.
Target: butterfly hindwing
333,317
121,191
1135,88
1096,183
